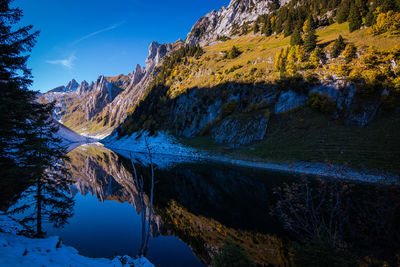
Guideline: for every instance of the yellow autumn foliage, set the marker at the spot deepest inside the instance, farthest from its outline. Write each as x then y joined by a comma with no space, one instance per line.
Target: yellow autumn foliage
388,22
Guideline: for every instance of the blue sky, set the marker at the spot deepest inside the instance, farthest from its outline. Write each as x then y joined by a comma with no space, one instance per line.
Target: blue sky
83,39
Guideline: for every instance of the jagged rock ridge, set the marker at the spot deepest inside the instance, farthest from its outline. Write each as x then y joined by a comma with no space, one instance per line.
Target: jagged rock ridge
221,23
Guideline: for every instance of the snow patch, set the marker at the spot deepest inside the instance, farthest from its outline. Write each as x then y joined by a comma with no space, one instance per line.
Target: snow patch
161,144
22,251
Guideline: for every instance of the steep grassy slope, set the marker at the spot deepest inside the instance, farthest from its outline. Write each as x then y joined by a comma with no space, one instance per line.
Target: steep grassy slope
256,61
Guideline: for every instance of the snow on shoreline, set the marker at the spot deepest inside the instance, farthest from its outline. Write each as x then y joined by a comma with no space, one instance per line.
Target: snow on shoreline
167,149
16,250
163,143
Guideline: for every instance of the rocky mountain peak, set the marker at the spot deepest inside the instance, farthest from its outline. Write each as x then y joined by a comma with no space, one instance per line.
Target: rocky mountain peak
221,23
138,74
102,93
72,85
83,88
156,53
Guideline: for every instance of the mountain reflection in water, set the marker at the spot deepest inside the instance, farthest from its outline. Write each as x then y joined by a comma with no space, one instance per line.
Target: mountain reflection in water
202,204
199,206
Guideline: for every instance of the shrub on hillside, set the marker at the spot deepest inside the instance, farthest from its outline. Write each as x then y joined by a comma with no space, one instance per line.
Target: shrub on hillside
228,108
321,103
349,52
233,53
388,22
338,47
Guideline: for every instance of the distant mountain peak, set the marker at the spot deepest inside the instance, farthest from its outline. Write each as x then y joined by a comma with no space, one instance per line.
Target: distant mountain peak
72,85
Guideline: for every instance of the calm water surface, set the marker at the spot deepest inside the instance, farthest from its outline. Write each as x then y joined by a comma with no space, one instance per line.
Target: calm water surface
197,207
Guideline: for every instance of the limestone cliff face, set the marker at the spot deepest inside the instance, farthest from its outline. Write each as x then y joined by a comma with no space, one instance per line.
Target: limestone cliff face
101,93
221,23
117,111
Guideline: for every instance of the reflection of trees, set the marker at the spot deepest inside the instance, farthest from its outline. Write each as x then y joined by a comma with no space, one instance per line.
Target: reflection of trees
139,184
336,222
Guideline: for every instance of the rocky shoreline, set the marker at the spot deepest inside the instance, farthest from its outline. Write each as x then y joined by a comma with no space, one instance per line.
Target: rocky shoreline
167,146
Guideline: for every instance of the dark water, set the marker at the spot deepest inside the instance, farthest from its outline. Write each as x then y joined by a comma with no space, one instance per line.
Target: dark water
197,207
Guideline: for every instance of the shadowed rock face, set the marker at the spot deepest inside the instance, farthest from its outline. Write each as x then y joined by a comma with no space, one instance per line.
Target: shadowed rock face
289,100
238,132
83,88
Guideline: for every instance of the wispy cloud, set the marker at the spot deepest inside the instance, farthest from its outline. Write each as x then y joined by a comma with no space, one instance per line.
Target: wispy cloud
112,27
67,62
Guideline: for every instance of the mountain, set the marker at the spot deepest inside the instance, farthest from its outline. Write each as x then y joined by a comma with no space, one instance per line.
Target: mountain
261,76
97,108
222,23
250,92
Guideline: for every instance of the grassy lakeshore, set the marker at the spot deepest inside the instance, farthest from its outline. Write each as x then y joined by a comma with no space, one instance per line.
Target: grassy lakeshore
308,136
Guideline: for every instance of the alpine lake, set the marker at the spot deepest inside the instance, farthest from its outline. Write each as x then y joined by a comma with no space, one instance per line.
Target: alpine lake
183,213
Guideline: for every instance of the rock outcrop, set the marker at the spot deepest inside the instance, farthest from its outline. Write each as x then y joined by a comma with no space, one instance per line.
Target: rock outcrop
289,100
83,88
221,23
239,132
72,85
101,93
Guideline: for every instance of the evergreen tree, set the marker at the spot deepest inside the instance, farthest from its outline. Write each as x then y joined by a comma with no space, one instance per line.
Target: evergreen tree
16,101
288,27
338,47
362,6
295,39
256,27
343,11
277,26
370,18
48,199
267,30
233,53
355,20
20,140
310,38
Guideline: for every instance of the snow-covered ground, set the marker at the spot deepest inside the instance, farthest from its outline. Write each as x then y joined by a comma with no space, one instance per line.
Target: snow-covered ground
162,143
71,139
166,150
16,250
